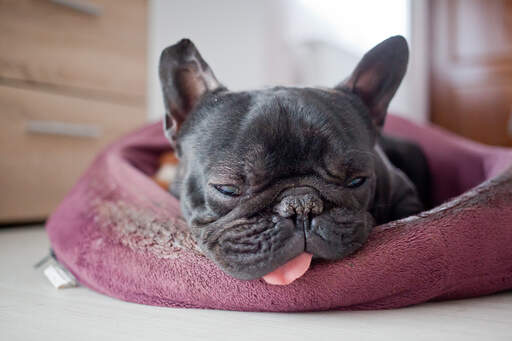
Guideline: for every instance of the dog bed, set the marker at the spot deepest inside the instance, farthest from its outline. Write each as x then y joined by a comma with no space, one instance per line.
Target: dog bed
120,234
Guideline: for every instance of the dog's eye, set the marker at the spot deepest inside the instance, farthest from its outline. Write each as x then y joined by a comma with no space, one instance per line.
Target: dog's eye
228,190
356,182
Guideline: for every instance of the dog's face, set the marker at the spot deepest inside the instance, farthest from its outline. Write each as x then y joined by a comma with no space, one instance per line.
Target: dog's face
267,175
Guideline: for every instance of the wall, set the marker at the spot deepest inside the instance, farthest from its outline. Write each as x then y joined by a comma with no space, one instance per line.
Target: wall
230,35
248,46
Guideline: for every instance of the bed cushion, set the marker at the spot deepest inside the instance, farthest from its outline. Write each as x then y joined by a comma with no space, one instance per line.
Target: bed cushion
121,234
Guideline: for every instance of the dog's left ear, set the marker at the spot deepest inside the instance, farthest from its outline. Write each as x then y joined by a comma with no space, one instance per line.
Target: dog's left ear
378,75
185,77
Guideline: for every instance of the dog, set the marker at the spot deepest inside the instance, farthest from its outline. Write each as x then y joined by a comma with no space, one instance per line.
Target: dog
269,178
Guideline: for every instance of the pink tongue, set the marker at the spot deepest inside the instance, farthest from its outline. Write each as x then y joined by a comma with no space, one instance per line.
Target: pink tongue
289,272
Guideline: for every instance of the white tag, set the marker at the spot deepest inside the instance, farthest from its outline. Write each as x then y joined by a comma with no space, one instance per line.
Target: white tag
59,277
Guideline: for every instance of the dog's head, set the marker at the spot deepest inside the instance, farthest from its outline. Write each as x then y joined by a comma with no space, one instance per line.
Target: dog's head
269,174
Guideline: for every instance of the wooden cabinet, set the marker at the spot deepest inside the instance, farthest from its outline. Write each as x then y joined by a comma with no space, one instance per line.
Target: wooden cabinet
70,83
53,45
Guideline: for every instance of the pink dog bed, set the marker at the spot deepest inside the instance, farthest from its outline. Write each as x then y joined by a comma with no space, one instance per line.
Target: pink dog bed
120,234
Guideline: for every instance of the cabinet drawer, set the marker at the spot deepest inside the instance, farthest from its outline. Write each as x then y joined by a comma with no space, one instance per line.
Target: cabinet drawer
52,44
46,142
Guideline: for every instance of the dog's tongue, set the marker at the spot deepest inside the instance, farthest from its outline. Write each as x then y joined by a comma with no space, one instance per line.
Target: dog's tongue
289,272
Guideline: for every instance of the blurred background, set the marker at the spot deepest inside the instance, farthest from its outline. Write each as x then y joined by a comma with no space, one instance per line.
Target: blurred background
77,74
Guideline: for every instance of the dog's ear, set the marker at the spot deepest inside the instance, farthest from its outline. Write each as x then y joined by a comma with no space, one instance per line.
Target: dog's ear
378,75
185,77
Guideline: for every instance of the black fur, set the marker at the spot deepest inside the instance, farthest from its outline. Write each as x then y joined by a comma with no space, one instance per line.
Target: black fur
306,163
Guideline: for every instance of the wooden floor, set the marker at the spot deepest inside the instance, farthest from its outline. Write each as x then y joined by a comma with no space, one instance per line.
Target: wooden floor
31,309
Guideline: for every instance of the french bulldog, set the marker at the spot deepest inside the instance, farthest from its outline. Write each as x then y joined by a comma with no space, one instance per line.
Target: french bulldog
268,176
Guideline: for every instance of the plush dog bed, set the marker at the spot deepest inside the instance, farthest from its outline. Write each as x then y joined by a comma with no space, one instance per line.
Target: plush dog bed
120,233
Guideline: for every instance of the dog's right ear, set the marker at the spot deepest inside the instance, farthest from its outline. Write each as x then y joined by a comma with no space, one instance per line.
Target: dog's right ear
378,75
185,77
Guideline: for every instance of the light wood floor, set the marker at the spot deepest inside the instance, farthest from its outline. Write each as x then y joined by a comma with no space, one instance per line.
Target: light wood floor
31,309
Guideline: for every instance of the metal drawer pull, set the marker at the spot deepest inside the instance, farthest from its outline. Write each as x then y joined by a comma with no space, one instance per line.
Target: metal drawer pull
509,125
80,6
64,129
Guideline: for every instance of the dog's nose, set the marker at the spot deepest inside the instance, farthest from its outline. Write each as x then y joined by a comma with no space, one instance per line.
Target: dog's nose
299,201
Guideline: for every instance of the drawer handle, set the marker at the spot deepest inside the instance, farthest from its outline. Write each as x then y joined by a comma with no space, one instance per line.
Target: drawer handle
64,129
80,6
509,123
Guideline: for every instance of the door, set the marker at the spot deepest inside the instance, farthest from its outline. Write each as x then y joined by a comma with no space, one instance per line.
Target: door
471,68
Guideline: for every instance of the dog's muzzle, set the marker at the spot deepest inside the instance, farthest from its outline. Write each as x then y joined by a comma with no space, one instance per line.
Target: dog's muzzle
300,204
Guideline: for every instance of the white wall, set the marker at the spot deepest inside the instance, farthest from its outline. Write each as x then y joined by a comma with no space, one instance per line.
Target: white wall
417,77
248,45
229,34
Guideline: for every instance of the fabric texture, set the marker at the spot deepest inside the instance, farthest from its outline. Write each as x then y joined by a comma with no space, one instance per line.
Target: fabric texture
120,234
